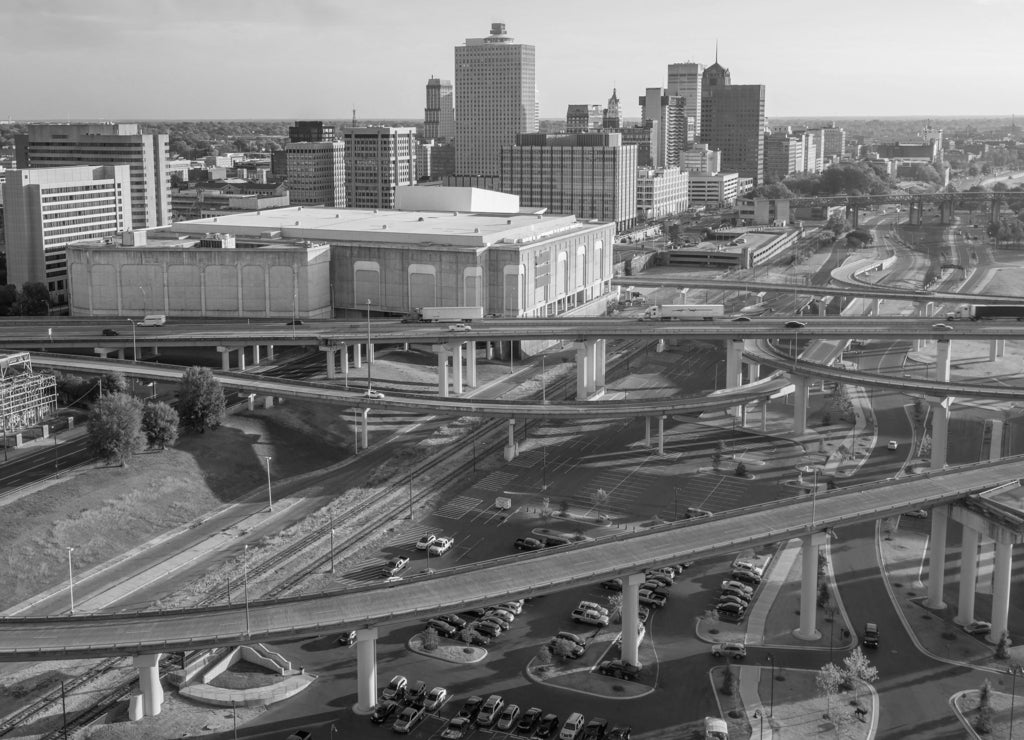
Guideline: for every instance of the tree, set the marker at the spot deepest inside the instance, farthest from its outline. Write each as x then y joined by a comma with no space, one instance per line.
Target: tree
115,428
600,498
741,470
114,383
856,668
823,594
8,299
160,423
729,680
983,723
563,648
200,399
430,639
775,190
1003,646
716,456
34,300
828,680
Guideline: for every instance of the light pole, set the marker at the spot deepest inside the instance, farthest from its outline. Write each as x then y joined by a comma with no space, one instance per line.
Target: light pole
369,352
135,352
245,585
1013,670
152,384
71,581
270,497
144,299
56,452
332,543
760,715
771,705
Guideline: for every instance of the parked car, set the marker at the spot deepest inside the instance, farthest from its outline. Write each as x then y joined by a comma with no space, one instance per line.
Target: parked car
454,620
870,638
516,607
383,712
490,710
487,628
612,584
917,514
426,541
652,598
737,586
501,614
589,616
441,545
620,733
978,627
548,725
393,566
592,605
416,693
571,637
733,599
457,728
730,612
444,629
371,393
748,577
756,568
528,543
572,727
566,648
508,717
497,621
618,668
655,586
734,592
474,612
435,698
471,637
471,707
595,729
669,572
408,719
346,639
734,650
528,721
395,690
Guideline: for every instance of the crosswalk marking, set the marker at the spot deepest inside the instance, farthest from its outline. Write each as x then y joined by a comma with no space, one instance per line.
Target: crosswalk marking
458,507
496,481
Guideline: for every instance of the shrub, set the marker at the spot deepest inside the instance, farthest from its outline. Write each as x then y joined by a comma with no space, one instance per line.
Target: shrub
430,639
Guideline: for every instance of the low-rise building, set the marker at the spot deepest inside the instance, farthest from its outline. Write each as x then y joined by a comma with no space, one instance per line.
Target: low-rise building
661,192
717,190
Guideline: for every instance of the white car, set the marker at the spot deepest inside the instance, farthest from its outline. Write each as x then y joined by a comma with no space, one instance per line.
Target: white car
734,650
371,393
893,445
437,696
426,541
441,545
589,616
459,327
594,606
978,627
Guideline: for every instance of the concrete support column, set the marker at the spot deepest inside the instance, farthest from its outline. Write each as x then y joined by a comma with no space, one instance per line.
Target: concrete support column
149,683
366,428
631,618
488,350
809,588
1001,590
937,558
995,445
255,354
733,363
582,372
591,365
270,352
647,431
764,416
753,372
369,352
968,575
456,350
443,353
511,447
366,670
661,434
800,397
120,355
876,306
225,358
600,363
940,431
942,356
822,307
357,356
241,358
471,363
331,370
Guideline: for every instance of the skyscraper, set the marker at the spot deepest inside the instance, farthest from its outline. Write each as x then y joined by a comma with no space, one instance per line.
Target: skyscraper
684,80
439,115
310,131
673,135
316,173
377,160
732,120
495,99
68,145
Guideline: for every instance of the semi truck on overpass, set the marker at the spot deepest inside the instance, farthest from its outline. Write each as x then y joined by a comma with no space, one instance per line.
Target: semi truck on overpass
982,312
444,313
684,312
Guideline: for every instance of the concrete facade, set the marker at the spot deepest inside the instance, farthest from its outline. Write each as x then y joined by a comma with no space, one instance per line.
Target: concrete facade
661,193
713,190
378,159
684,80
316,173
439,113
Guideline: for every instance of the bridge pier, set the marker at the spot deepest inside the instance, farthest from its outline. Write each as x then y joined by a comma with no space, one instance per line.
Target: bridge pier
937,557
946,212
631,617
600,362
149,684
255,354
996,349
661,434
590,370
734,371
943,350
366,670
753,372
455,349
801,388
995,445
471,363
993,216
331,356
511,449
808,629
940,431
443,352
647,432
1000,590
366,428
357,356
968,575
270,353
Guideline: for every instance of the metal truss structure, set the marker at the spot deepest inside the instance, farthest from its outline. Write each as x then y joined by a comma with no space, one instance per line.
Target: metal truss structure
26,397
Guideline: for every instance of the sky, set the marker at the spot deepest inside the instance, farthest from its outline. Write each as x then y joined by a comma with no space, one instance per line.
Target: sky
319,59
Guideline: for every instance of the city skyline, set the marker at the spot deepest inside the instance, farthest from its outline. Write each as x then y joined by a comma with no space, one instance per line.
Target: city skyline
185,59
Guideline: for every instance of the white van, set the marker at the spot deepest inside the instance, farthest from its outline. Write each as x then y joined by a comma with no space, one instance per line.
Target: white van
573,727
153,319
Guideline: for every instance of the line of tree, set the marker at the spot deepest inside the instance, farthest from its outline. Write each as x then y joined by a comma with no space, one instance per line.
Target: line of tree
32,300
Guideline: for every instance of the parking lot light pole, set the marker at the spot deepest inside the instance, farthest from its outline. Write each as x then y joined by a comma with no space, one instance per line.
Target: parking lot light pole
71,581
270,496
245,585
771,705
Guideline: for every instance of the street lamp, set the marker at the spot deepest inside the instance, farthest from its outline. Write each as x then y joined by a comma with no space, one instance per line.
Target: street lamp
245,585
135,352
1013,670
771,705
270,497
369,352
71,581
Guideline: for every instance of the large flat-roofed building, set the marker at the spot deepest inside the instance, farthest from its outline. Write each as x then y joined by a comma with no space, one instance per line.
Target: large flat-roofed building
592,176
736,248
69,145
495,99
440,247
310,131
378,159
783,154
48,208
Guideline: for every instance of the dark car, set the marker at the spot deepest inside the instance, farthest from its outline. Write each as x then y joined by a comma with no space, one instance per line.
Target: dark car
548,725
345,639
730,612
383,712
416,693
394,565
528,721
612,584
444,629
453,619
795,324
746,576
595,729
618,668
528,543
472,707
294,322
475,613
870,635
494,619
110,333
619,733
472,637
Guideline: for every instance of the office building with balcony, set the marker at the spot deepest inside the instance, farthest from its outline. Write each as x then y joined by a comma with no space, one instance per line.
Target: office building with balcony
673,134
378,159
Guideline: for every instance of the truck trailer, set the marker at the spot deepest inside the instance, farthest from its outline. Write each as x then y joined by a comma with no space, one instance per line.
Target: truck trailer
444,313
684,312
983,312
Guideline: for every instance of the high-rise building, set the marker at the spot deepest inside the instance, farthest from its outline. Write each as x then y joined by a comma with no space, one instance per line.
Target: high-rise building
783,154
702,159
316,173
684,80
833,142
581,118
310,131
69,145
377,160
47,208
673,134
732,120
495,99
644,137
592,176
613,113
439,115
434,160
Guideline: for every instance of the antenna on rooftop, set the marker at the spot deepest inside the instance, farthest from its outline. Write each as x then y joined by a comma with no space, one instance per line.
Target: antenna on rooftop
353,117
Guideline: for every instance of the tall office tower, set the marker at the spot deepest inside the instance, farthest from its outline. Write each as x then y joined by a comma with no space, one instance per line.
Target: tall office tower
581,118
644,137
47,208
613,113
833,142
812,142
732,120
495,99
310,131
684,80
69,145
439,115
377,160
783,154
592,176
673,135
316,173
